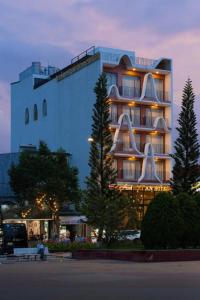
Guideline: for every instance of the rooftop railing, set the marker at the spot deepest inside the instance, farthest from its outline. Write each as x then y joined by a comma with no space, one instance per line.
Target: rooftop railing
146,62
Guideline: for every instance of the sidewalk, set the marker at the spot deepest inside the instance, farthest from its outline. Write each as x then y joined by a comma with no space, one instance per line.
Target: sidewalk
50,257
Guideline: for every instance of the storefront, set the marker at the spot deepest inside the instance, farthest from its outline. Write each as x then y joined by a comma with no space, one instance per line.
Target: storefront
36,228
72,226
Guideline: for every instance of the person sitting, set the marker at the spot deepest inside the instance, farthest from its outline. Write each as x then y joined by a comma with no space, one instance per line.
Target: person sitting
41,249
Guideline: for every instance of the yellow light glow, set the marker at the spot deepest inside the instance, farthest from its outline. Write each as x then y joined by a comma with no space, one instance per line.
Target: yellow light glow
154,132
131,158
131,104
134,69
157,72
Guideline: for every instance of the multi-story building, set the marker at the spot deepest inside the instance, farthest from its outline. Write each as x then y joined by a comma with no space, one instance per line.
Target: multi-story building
56,106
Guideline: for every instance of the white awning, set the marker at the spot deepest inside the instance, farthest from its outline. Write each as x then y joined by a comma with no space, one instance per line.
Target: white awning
64,220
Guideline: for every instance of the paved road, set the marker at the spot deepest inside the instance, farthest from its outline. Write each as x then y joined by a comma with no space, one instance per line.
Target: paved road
65,279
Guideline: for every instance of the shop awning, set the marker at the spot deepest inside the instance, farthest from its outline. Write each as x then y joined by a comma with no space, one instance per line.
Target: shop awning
65,220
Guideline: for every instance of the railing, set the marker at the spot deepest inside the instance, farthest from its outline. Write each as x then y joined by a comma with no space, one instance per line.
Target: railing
129,92
114,118
125,147
133,176
134,120
146,121
84,53
146,62
149,176
134,92
161,95
160,149
149,121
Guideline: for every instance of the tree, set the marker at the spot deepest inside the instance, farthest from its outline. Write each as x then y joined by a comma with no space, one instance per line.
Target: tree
190,214
42,181
162,223
104,206
186,169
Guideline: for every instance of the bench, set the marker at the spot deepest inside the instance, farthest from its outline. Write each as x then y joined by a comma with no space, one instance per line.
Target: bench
29,253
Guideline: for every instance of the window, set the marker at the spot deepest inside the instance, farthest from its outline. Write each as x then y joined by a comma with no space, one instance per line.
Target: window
44,108
159,83
157,142
131,169
131,86
160,169
35,113
111,79
26,116
113,113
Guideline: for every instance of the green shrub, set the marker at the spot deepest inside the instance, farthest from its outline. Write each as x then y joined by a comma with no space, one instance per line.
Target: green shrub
190,214
162,223
64,247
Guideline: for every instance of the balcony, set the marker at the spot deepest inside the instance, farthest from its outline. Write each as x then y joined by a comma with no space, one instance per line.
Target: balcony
161,95
129,92
159,149
146,121
129,176
125,147
135,93
149,177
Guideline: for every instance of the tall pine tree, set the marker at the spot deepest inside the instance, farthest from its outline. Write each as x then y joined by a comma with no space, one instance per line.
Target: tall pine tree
186,169
104,206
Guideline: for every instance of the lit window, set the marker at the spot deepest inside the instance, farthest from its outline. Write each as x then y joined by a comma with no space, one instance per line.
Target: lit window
44,108
26,116
35,113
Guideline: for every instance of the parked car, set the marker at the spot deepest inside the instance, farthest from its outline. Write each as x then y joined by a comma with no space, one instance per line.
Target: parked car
130,235
13,235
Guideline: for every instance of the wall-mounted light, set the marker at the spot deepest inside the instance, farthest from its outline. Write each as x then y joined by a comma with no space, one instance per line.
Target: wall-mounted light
90,139
134,69
131,158
154,132
157,72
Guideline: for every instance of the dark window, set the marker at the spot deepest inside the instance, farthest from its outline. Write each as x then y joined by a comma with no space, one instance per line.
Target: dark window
35,113
44,108
26,116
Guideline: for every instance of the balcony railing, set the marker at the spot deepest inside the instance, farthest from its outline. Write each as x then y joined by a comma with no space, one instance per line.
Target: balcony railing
136,121
125,147
122,175
129,92
135,92
147,121
146,62
132,176
149,176
161,95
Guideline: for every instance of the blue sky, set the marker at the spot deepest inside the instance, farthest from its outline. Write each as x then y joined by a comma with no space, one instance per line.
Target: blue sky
55,31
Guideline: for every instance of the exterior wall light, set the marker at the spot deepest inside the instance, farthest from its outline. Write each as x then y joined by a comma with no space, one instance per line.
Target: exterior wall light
90,139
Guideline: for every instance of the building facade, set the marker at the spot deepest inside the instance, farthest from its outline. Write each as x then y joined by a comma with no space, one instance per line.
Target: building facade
56,107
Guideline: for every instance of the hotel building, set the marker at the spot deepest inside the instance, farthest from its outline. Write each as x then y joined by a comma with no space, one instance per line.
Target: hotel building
56,106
